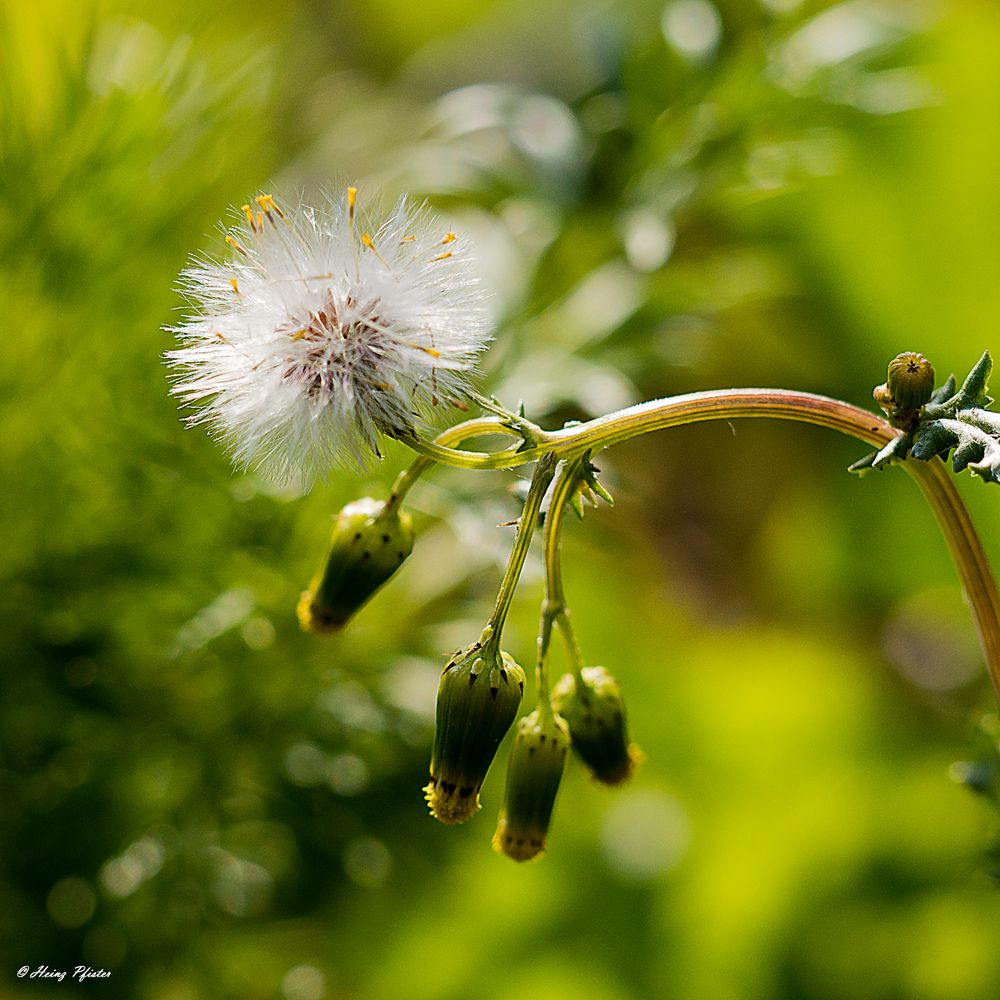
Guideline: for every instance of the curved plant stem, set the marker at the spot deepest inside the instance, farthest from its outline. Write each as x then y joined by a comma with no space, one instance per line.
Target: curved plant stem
730,404
452,436
439,449
967,552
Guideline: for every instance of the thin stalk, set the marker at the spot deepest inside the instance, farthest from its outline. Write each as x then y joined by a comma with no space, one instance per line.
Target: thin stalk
554,607
522,540
554,604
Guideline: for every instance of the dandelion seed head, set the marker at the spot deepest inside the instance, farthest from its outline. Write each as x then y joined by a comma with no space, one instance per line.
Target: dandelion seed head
323,329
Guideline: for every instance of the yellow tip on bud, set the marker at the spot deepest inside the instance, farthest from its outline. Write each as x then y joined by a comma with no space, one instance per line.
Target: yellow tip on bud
478,698
313,619
534,772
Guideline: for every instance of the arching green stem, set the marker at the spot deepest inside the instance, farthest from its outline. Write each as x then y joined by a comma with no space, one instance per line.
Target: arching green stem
731,404
509,458
453,435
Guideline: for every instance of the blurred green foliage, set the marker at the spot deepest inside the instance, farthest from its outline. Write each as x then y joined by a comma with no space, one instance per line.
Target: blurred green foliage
208,803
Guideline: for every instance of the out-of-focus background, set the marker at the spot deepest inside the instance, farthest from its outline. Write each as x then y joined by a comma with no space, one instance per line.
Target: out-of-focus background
208,803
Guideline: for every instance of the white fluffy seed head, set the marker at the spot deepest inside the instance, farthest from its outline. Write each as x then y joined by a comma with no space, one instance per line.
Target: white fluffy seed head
324,329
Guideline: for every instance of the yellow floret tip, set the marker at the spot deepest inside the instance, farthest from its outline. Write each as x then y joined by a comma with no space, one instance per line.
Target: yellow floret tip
634,759
518,845
310,621
448,805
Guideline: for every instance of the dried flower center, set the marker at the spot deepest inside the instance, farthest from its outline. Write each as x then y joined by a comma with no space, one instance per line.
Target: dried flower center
338,347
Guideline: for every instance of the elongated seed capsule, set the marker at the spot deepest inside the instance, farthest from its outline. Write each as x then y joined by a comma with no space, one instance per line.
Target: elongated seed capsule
534,771
368,545
595,714
478,698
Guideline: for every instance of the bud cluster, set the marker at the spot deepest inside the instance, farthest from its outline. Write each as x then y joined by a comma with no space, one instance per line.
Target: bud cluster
481,688
477,701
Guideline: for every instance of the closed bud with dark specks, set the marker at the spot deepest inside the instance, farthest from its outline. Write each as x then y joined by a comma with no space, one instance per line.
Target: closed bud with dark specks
535,769
369,543
911,380
595,713
478,699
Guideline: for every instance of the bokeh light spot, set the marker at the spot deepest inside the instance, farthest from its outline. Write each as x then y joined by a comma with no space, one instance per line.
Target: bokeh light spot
367,861
71,902
649,240
304,982
692,27
348,774
306,764
258,633
645,834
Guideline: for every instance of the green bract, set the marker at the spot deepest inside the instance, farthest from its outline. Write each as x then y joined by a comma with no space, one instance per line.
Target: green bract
369,543
478,698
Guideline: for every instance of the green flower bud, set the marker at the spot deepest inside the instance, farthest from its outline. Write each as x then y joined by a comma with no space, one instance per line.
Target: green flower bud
595,714
369,543
533,775
911,380
478,698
